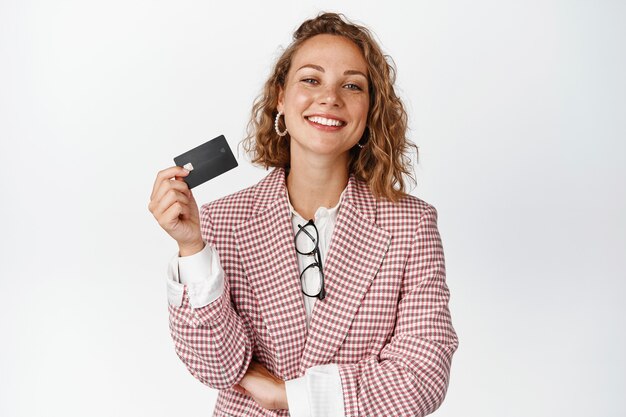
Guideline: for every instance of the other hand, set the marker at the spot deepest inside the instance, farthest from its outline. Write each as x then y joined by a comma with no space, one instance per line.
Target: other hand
265,388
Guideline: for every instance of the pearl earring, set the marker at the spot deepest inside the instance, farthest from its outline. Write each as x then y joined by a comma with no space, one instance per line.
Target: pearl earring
278,132
366,135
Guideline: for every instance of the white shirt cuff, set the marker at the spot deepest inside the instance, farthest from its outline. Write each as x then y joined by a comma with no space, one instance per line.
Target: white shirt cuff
201,273
318,393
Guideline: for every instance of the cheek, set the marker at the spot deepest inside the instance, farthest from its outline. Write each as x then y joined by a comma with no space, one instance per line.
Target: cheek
298,98
362,112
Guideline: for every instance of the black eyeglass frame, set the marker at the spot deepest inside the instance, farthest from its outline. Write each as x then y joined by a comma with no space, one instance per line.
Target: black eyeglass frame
316,256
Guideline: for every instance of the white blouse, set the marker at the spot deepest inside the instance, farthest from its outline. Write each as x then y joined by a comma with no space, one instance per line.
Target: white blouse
319,391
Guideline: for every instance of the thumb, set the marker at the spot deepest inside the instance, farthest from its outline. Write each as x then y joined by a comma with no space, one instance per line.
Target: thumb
238,388
191,197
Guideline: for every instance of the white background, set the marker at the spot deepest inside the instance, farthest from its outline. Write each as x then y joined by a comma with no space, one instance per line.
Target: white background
519,112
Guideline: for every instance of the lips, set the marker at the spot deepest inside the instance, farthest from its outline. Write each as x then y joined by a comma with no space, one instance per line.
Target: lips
326,121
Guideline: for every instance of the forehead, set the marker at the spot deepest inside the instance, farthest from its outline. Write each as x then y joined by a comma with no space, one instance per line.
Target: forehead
330,51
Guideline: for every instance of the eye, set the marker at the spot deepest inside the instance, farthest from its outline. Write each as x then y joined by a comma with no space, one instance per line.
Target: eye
352,86
311,81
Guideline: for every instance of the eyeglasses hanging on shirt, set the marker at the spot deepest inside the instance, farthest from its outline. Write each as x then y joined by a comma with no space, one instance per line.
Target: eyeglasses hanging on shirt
311,277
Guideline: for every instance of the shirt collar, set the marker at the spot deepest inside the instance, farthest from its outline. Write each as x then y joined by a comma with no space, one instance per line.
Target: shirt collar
273,187
332,212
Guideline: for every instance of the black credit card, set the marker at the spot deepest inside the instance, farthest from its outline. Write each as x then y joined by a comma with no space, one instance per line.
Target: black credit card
207,161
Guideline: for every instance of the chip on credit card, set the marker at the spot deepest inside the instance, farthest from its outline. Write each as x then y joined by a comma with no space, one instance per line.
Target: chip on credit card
207,161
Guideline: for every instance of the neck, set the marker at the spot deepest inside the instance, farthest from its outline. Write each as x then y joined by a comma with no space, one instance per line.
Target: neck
311,185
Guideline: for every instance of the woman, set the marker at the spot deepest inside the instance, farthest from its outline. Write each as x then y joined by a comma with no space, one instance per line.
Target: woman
321,290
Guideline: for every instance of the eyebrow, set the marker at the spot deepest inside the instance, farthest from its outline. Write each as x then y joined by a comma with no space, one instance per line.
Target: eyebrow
320,69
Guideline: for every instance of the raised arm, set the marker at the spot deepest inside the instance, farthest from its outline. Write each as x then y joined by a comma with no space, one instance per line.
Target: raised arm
210,338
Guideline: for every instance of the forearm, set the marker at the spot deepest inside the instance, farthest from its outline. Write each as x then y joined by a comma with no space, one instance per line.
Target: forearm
213,342
209,337
402,381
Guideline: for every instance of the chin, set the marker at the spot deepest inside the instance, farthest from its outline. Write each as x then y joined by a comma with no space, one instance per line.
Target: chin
321,145
328,151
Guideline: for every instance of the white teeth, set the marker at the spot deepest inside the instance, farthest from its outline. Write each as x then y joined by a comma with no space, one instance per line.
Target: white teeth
324,121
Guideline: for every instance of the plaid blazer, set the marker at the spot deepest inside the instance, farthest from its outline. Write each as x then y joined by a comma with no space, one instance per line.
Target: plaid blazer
385,320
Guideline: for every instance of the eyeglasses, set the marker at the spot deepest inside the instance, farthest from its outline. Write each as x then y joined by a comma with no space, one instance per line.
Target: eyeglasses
312,277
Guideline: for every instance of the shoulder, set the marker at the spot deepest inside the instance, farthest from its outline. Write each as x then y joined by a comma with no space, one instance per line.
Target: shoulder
236,206
405,215
408,210
409,205
240,205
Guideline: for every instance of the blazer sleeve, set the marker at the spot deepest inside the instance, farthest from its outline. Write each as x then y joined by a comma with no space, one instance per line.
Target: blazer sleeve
212,341
410,375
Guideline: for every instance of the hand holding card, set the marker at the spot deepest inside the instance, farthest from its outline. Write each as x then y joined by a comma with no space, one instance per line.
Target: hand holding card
207,161
174,207
172,203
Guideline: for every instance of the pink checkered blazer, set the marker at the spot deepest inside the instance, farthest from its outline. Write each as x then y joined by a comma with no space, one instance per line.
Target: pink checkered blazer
385,320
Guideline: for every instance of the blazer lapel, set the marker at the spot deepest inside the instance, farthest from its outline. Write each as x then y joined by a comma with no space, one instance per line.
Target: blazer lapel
265,245
357,249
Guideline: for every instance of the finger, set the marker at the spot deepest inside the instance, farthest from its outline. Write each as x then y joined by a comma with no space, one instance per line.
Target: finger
192,199
170,217
167,174
170,198
185,213
243,383
238,388
166,186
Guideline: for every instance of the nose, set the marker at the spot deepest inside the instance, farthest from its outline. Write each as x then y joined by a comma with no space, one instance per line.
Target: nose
330,96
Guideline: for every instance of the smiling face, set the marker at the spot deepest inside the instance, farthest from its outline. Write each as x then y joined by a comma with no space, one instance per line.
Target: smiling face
325,98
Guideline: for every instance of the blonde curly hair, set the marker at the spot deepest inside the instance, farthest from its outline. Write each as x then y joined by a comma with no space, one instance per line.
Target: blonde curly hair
383,162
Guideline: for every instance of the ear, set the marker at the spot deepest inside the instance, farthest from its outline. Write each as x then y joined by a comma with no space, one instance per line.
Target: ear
281,100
